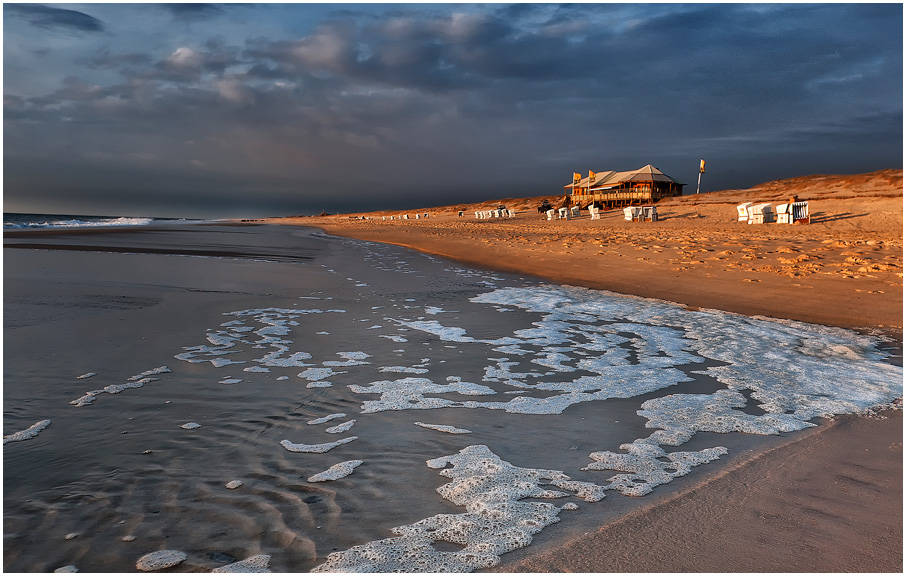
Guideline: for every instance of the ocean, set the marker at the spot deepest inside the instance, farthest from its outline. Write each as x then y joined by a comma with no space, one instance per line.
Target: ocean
22,220
361,407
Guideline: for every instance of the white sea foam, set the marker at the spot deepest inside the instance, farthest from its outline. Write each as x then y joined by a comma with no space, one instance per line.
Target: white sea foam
90,396
29,433
318,373
395,338
353,358
322,420
86,376
150,372
319,385
410,393
792,368
338,471
322,448
51,221
275,324
645,465
435,310
399,369
160,560
342,427
584,346
444,428
498,519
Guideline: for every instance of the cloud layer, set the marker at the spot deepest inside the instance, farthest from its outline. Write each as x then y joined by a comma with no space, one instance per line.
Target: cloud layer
217,110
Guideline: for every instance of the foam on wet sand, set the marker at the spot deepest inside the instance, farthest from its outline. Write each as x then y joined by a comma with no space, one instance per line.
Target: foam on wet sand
443,428
29,433
158,560
317,448
497,520
338,471
530,352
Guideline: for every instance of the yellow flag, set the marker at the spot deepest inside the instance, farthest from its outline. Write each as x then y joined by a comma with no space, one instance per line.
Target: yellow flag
576,177
591,177
701,165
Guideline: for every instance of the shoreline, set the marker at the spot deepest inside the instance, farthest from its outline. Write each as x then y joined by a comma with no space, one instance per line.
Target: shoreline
812,504
872,302
792,481
808,505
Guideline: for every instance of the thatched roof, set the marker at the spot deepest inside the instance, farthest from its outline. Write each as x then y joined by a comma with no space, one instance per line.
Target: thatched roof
610,179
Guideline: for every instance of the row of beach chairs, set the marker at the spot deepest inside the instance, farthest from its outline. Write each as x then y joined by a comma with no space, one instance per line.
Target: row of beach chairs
498,213
634,213
641,213
789,213
405,216
563,213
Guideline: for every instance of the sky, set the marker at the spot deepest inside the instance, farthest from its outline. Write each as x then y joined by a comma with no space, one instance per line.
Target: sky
233,110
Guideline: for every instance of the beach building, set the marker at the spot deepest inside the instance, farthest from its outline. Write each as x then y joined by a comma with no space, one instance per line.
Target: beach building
610,189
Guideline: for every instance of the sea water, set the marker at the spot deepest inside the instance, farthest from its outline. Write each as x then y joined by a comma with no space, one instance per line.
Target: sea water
20,220
382,410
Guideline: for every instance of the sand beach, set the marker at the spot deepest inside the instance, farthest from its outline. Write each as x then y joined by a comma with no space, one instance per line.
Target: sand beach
698,254
830,501
208,386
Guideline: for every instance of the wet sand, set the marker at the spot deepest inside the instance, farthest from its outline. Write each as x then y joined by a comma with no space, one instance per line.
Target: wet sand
831,500
110,481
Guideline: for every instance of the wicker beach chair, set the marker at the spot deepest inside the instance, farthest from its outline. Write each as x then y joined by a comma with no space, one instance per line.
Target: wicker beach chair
742,213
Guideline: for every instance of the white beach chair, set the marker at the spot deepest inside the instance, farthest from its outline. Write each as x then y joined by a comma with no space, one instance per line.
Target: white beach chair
742,212
759,213
511,213
550,214
783,212
563,213
595,213
629,211
574,211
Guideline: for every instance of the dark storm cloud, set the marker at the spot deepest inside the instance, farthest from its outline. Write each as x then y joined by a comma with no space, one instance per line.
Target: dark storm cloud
190,10
364,105
54,18
104,58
